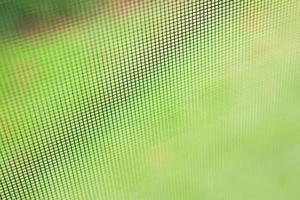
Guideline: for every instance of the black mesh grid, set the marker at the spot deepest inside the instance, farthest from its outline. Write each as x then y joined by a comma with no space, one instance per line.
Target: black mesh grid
150,100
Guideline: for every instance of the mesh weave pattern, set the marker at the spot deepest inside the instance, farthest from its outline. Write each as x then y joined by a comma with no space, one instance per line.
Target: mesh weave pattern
188,99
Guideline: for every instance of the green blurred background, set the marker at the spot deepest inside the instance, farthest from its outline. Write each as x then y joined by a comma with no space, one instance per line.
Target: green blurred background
149,99
17,15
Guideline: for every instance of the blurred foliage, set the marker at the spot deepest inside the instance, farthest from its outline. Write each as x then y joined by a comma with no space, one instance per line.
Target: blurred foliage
17,14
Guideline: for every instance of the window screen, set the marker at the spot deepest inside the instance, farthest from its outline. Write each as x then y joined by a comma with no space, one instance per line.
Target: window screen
141,99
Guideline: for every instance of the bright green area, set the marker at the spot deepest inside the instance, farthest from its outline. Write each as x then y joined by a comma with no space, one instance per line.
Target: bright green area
217,121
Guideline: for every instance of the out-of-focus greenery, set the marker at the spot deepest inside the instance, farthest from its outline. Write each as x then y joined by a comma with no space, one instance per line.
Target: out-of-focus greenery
220,120
15,14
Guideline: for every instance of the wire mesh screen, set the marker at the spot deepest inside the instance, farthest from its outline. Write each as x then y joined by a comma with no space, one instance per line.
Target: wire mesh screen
140,99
